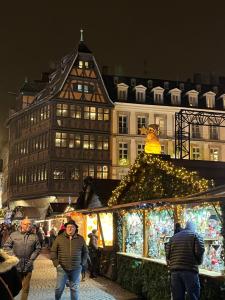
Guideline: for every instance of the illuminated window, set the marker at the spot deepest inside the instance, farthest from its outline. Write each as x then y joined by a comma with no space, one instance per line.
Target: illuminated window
102,143
210,99
88,170
103,114
140,148
161,122
79,88
75,111
107,229
81,64
196,153
59,174
62,110
89,112
123,154
75,174
86,64
214,154
102,172
89,142
60,139
123,124
74,140
141,122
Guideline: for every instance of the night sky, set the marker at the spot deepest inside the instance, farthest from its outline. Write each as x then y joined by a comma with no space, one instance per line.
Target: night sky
161,39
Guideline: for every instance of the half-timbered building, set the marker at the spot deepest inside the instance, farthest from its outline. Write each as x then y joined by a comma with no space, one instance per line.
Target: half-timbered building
60,132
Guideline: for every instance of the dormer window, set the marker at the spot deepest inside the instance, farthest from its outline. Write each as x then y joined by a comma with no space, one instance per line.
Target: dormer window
210,99
158,94
175,96
140,93
122,91
83,64
223,100
192,98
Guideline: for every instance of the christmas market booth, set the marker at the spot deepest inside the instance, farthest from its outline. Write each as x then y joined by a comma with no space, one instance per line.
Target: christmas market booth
147,204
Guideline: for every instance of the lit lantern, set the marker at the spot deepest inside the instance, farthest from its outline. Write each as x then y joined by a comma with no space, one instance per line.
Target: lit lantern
152,144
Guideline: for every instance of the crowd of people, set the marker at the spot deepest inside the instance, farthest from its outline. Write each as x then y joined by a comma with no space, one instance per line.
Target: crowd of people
71,257
20,246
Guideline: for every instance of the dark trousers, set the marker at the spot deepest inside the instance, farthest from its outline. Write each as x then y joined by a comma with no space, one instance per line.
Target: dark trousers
185,281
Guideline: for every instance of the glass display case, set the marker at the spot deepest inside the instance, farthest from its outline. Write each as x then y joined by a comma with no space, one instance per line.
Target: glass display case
160,227
134,233
208,223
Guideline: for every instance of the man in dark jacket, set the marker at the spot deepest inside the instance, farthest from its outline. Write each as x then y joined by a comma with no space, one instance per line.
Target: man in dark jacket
69,254
26,247
184,253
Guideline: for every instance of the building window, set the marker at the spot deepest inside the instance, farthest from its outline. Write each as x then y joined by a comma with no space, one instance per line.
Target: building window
75,111
123,154
141,122
196,134
214,154
62,110
175,99
88,170
81,88
140,148
122,95
213,133
81,64
193,100
89,112
102,143
60,139
160,121
59,174
102,172
103,114
123,124
74,140
89,142
163,149
196,153
44,112
140,96
75,174
158,98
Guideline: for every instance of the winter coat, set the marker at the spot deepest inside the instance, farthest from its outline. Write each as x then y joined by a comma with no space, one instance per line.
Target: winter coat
69,253
185,251
26,247
93,243
9,275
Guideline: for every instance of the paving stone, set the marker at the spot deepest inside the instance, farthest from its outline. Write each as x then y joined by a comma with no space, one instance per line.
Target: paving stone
44,279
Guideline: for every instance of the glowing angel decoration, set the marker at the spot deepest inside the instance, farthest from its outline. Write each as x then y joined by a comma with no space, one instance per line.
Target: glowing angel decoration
152,144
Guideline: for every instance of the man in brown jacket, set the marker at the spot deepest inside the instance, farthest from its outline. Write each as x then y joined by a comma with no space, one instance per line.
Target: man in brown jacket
69,254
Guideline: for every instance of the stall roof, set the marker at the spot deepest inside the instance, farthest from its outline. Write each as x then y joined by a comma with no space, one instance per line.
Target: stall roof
27,212
212,195
58,208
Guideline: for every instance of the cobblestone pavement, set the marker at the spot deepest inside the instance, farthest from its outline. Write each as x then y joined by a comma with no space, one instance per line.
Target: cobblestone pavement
44,278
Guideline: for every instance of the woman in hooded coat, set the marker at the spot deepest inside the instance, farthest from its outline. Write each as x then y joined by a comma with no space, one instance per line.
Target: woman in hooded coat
10,282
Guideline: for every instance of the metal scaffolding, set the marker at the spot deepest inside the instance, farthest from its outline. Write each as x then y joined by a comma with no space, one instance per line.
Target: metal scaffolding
184,120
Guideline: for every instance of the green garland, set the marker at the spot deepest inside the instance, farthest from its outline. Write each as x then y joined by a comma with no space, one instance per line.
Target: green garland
153,177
